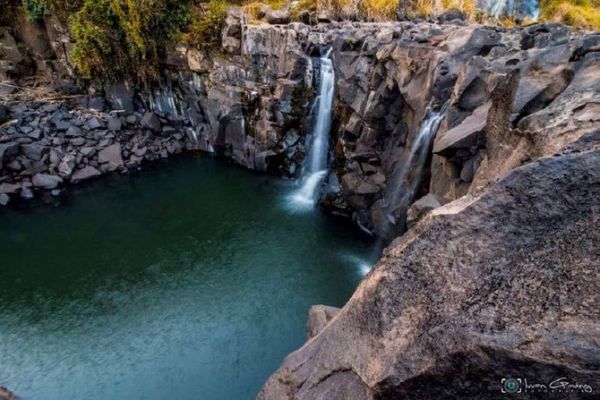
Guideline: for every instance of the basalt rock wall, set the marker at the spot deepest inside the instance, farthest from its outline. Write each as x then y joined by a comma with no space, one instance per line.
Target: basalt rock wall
250,100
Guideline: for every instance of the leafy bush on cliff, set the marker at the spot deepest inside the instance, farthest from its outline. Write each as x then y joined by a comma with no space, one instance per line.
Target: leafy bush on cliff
578,13
125,39
205,29
35,10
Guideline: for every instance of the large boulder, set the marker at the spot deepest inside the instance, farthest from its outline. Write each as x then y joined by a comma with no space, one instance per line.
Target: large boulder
46,181
3,113
421,207
8,150
111,157
278,17
84,174
6,394
150,121
499,284
467,134
318,318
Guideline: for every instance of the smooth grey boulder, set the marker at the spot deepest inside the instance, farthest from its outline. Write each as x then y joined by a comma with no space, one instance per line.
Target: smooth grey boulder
9,188
151,121
78,141
111,157
66,165
318,317
84,174
46,181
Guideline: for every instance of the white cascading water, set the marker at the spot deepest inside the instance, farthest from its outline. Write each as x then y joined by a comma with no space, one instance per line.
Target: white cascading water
516,8
414,161
315,169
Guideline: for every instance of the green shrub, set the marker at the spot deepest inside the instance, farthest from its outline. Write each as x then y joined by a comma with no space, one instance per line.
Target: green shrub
206,26
35,10
63,9
125,39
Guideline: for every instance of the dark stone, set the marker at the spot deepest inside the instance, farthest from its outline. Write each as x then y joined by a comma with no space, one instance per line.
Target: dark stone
8,150
151,121
450,15
3,113
278,17
33,151
46,181
114,124
84,174
74,131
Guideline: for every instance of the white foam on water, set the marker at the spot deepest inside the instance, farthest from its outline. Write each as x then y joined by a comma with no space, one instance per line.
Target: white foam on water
304,198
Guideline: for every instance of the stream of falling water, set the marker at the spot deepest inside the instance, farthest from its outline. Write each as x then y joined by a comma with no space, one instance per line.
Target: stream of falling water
316,167
517,8
403,192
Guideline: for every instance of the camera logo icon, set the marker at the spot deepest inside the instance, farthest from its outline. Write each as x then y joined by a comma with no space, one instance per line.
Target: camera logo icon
511,385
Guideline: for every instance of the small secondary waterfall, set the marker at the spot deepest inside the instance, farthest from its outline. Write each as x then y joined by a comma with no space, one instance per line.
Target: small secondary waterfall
316,167
402,194
516,8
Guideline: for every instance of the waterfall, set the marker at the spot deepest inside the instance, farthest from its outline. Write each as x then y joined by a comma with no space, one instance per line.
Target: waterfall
315,169
515,8
402,193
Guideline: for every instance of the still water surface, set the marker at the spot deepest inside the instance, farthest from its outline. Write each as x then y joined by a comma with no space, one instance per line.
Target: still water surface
188,281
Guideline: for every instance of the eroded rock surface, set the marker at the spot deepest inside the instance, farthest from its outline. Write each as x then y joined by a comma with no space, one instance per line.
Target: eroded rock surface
501,283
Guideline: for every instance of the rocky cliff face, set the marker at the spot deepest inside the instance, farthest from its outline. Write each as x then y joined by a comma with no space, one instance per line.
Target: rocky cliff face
499,279
501,283
251,101
492,85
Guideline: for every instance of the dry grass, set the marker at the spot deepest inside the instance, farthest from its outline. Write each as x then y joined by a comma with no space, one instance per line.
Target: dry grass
466,6
379,10
304,5
429,8
583,14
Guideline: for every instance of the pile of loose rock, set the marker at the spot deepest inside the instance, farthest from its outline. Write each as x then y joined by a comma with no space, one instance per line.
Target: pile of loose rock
45,146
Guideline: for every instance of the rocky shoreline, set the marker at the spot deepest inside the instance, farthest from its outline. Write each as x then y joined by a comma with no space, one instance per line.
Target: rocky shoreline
250,101
44,147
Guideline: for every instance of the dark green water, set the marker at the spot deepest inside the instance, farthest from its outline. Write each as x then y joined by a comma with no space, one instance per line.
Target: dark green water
188,281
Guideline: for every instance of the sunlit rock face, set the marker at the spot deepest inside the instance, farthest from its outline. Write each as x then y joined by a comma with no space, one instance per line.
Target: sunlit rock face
501,283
